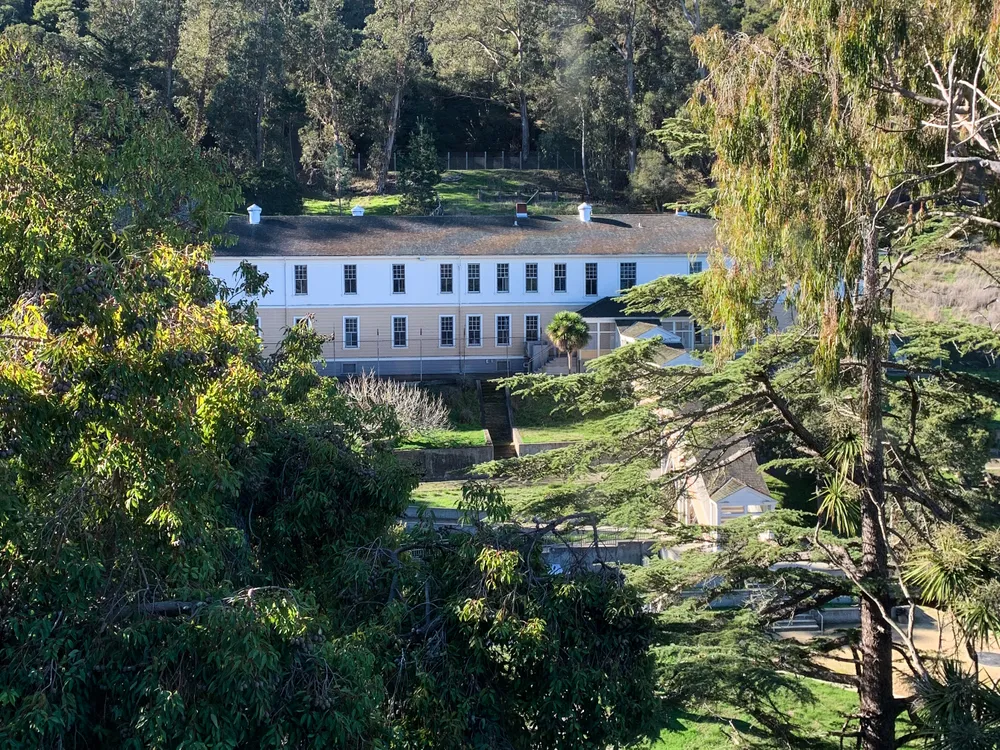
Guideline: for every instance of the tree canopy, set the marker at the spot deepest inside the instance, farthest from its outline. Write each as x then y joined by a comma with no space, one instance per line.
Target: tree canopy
200,544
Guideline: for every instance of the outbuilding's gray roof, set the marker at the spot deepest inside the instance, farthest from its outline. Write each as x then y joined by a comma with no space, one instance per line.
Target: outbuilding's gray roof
622,234
735,473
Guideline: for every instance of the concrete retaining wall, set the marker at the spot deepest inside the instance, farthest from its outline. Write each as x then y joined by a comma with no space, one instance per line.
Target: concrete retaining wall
444,463
530,449
624,552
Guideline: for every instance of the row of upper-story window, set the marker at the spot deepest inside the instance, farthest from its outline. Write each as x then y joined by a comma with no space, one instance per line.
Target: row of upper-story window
473,335
473,277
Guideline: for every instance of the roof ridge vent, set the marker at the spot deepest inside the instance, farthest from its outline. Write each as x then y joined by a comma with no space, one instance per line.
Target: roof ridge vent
253,210
584,210
357,210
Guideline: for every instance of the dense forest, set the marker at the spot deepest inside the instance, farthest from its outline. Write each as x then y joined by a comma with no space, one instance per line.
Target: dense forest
297,95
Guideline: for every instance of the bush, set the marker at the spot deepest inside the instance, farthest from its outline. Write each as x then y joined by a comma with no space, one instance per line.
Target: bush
416,409
276,191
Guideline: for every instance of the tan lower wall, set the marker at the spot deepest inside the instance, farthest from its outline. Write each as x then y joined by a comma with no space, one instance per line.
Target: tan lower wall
375,325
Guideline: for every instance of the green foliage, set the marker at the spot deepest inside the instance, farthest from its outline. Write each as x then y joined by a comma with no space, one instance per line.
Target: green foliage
568,332
420,174
274,190
199,545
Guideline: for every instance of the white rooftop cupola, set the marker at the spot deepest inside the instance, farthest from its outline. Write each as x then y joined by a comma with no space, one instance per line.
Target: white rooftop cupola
254,212
358,211
584,210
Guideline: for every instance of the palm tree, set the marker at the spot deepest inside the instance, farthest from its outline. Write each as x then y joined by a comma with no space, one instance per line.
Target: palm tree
569,332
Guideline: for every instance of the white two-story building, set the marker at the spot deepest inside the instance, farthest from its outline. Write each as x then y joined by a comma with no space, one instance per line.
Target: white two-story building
454,294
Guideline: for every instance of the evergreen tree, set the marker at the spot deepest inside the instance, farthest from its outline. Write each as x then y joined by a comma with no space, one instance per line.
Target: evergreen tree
420,175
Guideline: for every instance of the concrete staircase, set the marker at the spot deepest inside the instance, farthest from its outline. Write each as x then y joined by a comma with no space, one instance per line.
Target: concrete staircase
801,621
497,421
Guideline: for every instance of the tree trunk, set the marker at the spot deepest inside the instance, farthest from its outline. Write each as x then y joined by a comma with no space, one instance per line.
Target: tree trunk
583,150
262,87
633,131
523,97
877,717
569,361
390,140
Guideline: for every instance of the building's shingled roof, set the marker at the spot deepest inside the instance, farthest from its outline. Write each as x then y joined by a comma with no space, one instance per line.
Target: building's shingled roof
625,234
735,474
609,307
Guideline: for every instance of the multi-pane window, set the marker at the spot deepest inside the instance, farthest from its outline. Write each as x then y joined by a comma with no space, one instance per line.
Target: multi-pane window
559,279
531,277
626,275
350,279
304,321
694,266
447,331
257,328
398,278
590,280
301,279
446,278
351,330
398,331
475,330
532,328
503,330
503,277
473,270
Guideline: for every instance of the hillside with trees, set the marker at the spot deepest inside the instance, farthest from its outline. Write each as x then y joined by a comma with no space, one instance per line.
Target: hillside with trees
314,96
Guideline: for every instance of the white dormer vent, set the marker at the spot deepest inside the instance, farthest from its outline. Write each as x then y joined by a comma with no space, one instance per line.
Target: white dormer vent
521,210
254,212
357,211
584,210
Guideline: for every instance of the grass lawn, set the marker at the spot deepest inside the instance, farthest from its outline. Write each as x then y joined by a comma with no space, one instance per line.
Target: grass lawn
541,420
710,728
460,437
572,432
463,412
437,494
462,197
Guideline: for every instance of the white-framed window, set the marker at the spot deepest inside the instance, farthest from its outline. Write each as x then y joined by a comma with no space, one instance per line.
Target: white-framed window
532,328
694,266
683,327
473,276
531,277
304,320
626,275
699,332
257,327
302,279
559,278
350,279
503,277
398,278
446,278
474,330
590,280
399,332
352,332
446,331
503,330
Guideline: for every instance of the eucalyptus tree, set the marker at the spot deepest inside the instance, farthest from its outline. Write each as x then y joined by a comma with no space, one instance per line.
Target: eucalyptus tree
323,56
829,182
495,42
392,55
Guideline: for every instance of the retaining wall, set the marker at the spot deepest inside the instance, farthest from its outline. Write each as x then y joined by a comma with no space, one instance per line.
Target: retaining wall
530,449
445,463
